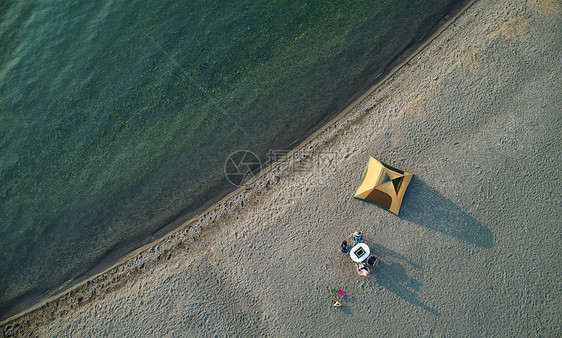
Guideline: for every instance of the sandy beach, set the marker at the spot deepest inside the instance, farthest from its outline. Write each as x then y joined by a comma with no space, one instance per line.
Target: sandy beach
475,117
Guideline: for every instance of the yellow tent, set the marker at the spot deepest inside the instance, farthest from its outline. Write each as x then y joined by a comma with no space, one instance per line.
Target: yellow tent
383,185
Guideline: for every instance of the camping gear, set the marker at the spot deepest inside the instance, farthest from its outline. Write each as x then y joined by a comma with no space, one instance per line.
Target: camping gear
383,185
340,292
359,252
373,261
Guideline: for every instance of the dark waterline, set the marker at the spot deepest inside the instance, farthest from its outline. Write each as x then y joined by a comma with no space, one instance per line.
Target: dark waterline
115,122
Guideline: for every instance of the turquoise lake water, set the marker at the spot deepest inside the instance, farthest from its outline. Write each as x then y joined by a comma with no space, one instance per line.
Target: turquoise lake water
116,118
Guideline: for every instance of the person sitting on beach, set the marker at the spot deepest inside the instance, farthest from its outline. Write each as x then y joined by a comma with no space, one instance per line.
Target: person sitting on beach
362,269
344,247
357,236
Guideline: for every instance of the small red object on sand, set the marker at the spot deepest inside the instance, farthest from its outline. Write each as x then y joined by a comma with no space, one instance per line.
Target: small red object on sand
341,292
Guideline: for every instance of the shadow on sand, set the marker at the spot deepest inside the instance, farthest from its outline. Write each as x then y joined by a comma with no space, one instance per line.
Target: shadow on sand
425,206
391,274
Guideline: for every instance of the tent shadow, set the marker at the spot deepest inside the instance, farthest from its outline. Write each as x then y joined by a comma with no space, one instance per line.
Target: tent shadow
425,206
393,277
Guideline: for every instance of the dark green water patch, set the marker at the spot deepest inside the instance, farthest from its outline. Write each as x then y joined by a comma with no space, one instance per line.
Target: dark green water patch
117,118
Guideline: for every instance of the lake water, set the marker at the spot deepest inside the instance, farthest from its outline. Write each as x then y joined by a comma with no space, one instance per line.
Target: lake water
116,118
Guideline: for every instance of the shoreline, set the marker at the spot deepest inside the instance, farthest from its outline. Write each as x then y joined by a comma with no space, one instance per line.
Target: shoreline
80,291
465,116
